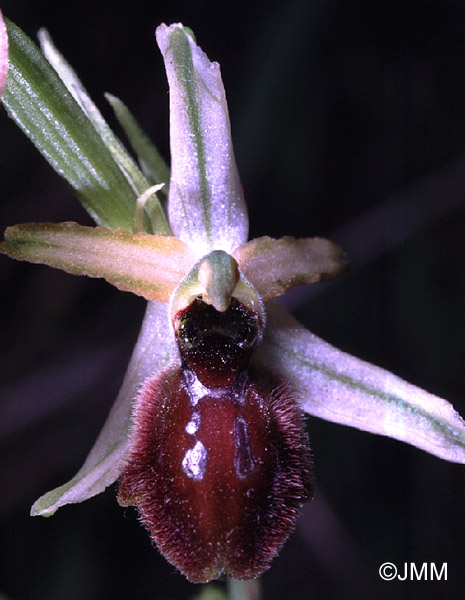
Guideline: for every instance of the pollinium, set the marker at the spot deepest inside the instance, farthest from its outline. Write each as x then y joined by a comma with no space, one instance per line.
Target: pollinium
219,462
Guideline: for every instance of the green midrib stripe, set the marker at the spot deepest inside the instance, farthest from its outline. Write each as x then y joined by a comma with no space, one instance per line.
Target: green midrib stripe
186,74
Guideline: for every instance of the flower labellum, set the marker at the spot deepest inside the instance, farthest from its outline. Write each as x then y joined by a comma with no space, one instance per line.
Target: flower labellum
219,462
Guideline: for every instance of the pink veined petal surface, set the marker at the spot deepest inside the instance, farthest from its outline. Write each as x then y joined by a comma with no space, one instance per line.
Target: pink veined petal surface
3,54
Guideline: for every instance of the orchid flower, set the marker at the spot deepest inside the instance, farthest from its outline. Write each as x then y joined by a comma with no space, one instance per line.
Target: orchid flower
206,435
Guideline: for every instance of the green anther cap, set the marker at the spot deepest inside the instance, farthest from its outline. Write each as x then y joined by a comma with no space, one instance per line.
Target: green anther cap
218,275
215,279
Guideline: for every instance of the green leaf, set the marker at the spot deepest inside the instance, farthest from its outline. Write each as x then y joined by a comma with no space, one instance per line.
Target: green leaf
274,266
206,204
338,387
148,265
154,350
152,162
128,167
38,101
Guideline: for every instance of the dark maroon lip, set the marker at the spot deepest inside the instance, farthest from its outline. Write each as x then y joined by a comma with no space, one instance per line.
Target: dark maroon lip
216,364
219,461
218,479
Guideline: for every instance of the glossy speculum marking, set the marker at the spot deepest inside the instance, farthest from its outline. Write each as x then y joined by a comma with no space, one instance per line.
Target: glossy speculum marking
219,463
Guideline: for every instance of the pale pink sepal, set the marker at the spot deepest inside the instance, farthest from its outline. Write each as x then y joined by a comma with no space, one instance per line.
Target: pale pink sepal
206,205
338,387
154,350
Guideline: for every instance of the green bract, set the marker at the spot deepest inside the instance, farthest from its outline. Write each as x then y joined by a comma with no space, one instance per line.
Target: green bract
209,255
76,143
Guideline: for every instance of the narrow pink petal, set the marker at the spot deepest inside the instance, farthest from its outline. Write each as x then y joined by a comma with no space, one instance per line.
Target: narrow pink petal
148,265
274,266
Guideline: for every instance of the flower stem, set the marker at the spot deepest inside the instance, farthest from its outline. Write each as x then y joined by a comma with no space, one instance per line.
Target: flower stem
244,590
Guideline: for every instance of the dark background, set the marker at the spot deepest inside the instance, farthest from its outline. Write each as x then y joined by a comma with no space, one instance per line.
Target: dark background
348,121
